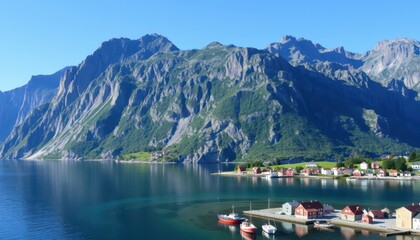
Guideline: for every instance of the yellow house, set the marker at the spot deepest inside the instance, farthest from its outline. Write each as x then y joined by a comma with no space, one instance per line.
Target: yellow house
405,216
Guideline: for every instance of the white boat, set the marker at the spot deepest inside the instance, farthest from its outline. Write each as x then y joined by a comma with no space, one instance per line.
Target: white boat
248,227
268,228
323,224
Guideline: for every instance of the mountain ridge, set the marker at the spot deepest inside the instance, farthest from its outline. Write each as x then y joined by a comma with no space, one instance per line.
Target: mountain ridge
215,104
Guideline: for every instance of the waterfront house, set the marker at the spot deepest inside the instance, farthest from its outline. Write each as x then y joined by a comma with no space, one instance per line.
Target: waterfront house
281,172
309,210
357,173
415,165
405,215
393,173
328,209
348,171
267,170
337,171
315,171
306,172
416,222
290,172
256,170
387,212
241,169
376,214
369,173
367,219
364,165
289,207
352,213
374,165
311,165
380,173
326,171
407,174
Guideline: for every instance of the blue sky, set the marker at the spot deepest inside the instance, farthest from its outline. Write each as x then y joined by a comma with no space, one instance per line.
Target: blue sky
43,36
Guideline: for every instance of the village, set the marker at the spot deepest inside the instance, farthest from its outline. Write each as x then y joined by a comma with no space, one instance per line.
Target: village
364,171
404,220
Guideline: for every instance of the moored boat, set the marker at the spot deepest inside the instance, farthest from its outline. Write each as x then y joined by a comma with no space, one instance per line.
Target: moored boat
323,224
248,227
232,218
268,228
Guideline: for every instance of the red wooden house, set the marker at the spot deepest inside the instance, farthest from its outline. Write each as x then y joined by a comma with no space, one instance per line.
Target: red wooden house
240,169
367,219
376,214
352,213
309,210
289,172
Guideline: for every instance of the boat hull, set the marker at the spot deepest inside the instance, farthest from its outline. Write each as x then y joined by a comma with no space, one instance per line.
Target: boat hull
269,230
225,220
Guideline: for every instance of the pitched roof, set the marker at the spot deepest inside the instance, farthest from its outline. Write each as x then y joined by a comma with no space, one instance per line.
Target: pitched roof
376,212
417,216
312,204
355,209
413,207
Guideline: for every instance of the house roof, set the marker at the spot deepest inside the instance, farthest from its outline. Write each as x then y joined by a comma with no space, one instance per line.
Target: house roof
293,204
393,170
417,216
376,212
355,209
413,207
312,204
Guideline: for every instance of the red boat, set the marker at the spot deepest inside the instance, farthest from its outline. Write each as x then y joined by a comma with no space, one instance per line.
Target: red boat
248,227
232,218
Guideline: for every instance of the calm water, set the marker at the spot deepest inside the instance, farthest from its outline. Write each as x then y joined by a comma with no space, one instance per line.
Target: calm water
96,200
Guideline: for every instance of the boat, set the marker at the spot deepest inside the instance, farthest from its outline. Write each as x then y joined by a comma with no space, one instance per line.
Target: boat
248,227
231,218
268,228
322,224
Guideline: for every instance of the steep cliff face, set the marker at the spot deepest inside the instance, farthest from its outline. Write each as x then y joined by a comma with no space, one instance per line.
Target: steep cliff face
397,59
17,104
214,104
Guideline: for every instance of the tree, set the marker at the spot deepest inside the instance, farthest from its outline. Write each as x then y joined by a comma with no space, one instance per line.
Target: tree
388,164
298,169
412,156
339,164
400,164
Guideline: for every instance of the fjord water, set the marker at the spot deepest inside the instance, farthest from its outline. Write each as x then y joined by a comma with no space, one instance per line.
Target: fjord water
106,200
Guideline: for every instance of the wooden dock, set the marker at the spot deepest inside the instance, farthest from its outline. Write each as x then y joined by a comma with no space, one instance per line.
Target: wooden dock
273,214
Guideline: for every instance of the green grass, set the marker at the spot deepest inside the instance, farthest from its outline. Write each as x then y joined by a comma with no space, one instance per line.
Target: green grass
322,164
139,156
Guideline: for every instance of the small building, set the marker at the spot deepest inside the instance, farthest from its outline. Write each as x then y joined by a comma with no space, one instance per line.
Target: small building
407,174
405,216
369,173
289,207
306,172
326,171
380,173
367,219
337,171
393,173
241,169
348,171
256,170
364,165
374,165
352,213
416,222
315,171
376,214
357,173
387,212
309,210
311,165
290,172
267,170
328,209
415,165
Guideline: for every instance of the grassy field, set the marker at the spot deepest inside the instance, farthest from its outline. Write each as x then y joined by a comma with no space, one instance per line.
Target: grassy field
303,165
139,156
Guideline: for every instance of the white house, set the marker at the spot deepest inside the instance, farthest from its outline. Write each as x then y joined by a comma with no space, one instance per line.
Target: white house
364,165
415,165
311,165
416,222
326,171
337,171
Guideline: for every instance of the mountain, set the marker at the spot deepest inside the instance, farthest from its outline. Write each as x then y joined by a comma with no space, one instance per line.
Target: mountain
391,60
397,59
17,104
215,104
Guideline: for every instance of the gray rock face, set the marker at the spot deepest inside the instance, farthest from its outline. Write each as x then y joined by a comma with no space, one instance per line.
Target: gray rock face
396,59
216,104
17,104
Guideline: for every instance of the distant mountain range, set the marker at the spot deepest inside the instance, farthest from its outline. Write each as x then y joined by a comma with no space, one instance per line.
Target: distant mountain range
223,102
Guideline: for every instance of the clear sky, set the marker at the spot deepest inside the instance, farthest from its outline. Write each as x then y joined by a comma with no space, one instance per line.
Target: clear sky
43,36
